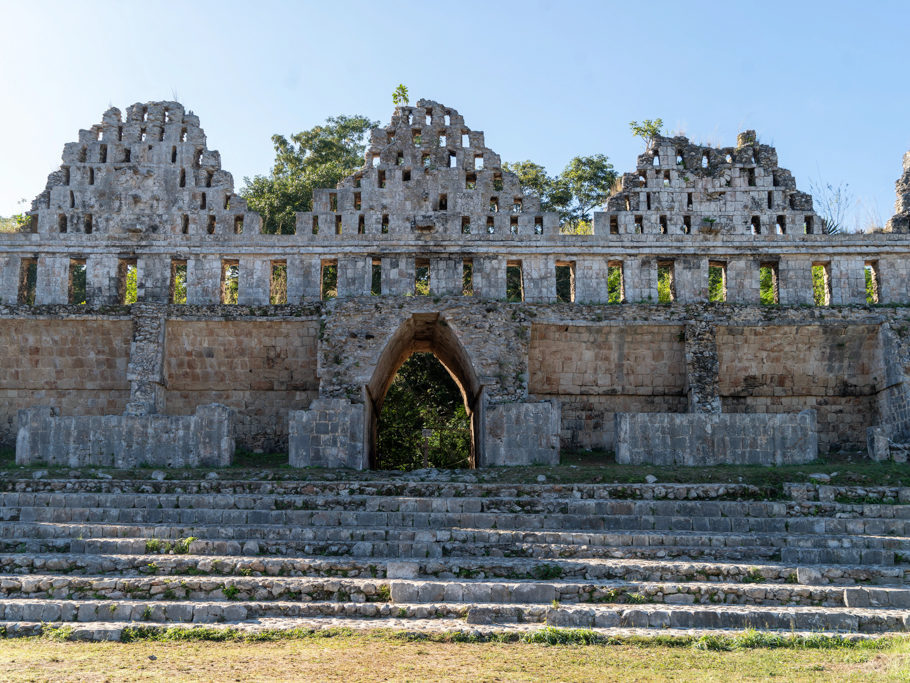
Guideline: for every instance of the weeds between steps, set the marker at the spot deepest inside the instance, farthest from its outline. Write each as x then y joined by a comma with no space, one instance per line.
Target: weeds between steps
750,639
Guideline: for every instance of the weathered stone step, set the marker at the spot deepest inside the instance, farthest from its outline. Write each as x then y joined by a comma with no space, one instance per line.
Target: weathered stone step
591,569
460,550
839,619
10,503
112,631
637,522
245,588
411,487
477,537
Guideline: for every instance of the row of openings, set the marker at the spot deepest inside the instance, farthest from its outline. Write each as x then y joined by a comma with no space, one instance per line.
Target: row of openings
128,283
126,152
210,225
667,178
780,224
705,158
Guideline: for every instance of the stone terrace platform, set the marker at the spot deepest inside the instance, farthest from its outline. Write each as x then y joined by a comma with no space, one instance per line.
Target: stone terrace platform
448,552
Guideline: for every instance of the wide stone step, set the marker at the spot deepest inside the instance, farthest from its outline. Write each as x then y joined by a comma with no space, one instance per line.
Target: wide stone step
573,522
419,550
246,588
450,537
452,568
837,619
14,504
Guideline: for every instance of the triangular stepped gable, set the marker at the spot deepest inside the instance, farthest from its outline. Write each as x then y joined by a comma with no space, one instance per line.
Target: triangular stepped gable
151,174
683,188
427,173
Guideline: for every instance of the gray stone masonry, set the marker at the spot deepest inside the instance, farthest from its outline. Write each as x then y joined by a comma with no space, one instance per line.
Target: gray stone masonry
201,440
713,439
329,434
144,192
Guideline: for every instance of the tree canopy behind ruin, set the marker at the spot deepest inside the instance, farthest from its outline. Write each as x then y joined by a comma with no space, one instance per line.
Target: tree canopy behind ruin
318,157
583,185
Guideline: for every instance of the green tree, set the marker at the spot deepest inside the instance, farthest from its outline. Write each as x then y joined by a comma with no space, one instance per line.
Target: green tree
583,185
647,130
318,157
423,396
400,96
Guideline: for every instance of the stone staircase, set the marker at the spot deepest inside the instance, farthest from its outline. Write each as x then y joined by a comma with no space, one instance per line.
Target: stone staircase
406,553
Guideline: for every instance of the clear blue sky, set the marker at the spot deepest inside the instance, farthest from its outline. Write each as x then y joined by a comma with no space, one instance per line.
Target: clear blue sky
826,82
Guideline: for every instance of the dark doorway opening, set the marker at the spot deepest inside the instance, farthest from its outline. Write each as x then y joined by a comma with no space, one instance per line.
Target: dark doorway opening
423,421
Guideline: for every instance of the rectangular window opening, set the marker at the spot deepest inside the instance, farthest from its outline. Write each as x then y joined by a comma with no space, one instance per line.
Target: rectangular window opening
208,178
182,181
329,279
470,181
230,281
494,204
808,224
465,140
666,285
515,290
278,283
361,225
465,225
185,225
614,225
385,223
615,287
497,181
538,225
127,281
639,225
62,222
687,225
422,277
443,203
376,278
663,225
406,175
770,200
565,281
380,179
358,202
467,277
768,293
513,225
756,225
689,200
88,223
750,175
517,205
77,282
870,271
333,201
478,162
28,281
178,281
491,227
315,225
238,225
210,226
717,281
337,223
91,176
174,155
227,201
203,201
102,154
821,284
453,160
781,225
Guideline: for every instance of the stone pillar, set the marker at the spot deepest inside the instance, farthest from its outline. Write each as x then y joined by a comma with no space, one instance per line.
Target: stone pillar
794,276
445,276
145,371
354,274
255,281
53,280
153,276
9,278
848,281
702,368
203,276
743,281
101,280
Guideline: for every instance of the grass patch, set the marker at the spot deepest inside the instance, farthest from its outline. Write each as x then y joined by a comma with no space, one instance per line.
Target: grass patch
206,653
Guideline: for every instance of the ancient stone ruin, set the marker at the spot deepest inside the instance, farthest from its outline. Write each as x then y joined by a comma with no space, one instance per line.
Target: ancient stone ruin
290,341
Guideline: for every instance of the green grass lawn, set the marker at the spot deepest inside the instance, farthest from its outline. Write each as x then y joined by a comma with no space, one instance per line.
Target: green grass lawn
386,656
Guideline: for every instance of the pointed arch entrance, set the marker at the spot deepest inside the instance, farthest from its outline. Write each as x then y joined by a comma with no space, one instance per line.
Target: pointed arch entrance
428,333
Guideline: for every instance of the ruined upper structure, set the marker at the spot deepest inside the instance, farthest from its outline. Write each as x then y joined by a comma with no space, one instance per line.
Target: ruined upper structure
430,203
432,212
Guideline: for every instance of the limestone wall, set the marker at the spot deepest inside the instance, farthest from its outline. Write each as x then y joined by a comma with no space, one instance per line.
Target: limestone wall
77,365
262,369
597,370
835,369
